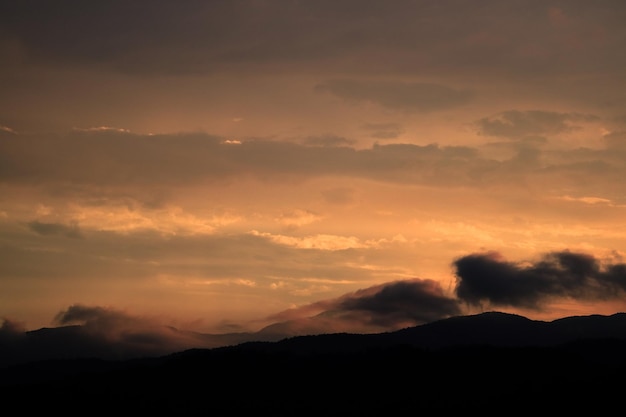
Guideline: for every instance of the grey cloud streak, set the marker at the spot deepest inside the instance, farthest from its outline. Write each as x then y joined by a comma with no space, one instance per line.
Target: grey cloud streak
421,97
516,124
51,229
384,130
115,159
102,258
109,158
488,278
326,140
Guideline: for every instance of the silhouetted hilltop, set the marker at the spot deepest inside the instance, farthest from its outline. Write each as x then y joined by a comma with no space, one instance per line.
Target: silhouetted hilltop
482,362
81,342
503,329
494,329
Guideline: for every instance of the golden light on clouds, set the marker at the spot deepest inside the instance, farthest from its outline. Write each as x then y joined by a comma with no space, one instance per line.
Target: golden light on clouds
234,163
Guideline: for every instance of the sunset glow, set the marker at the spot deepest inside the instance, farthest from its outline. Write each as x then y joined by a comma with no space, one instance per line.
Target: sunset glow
318,166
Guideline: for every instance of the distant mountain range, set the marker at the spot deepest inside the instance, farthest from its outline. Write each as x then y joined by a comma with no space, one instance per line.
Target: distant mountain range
456,364
494,329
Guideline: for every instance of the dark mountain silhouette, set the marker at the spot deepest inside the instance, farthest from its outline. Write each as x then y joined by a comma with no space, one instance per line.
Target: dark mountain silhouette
503,329
494,329
80,342
487,362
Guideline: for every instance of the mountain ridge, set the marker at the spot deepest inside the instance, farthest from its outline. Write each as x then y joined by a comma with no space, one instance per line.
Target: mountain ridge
479,361
493,328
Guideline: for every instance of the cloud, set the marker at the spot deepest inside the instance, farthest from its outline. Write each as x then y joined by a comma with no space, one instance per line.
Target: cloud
488,278
111,159
55,229
108,333
410,96
484,278
516,124
323,242
207,37
93,315
588,200
171,265
7,130
127,215
383,130
338,195
296,218
128,332
415,301
615,140
382,307
93,331
327,140
102,129
11,328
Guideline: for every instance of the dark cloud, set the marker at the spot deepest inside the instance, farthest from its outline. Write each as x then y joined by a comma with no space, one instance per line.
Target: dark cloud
382,307
415,301
531,124
120,159
421,97
488,278
79,314
11,328
114,157
405,35
52,229
100,332
128,332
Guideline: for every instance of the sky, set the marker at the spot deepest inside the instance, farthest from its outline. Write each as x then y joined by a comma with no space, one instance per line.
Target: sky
311,166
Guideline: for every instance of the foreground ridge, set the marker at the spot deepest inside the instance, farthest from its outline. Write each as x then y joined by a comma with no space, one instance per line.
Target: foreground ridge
457,364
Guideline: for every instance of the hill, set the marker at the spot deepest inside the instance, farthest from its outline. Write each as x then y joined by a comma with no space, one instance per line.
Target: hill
490,361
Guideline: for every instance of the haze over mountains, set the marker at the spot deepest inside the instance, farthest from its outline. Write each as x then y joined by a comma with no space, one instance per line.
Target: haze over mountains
495,329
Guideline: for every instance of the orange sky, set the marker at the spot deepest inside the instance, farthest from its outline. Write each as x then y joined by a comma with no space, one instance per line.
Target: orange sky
221,166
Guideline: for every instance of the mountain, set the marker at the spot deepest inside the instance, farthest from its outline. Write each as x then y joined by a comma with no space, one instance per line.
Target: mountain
495,329
81,342
486,362
502,329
